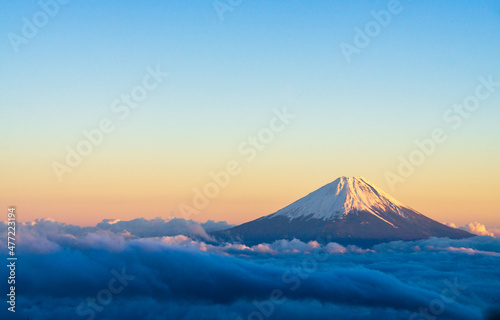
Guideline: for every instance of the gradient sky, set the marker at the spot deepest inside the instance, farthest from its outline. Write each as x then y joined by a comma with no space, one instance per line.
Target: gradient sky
225,79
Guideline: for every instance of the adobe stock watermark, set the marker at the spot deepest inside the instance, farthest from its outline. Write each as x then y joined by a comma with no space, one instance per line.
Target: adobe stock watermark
223,6
249,148
292,279
372,29
454,116
31,26
438,306
104,297
121,108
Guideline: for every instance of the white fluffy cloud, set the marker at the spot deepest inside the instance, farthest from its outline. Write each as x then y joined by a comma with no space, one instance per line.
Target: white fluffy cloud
477,228
158,227
474,228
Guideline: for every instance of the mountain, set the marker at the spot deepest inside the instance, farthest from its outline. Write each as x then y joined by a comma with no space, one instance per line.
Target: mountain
346,211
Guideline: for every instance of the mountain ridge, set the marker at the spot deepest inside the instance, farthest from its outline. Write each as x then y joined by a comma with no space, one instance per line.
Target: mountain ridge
349,210
342,196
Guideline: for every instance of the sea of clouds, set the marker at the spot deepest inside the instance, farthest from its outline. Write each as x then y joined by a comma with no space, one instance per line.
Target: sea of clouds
172,269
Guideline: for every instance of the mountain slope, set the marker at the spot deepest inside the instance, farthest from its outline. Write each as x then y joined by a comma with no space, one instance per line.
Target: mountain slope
347,211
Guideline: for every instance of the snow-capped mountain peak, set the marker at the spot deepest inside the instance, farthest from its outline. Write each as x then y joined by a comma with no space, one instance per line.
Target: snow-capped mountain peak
341,197
346,211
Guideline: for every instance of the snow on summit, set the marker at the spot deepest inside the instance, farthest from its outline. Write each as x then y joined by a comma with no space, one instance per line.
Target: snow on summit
349,210
339,198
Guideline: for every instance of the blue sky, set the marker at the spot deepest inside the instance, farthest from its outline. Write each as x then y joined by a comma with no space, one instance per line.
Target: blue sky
225,77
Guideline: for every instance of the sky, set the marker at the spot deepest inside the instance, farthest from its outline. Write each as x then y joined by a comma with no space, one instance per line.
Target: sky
208,78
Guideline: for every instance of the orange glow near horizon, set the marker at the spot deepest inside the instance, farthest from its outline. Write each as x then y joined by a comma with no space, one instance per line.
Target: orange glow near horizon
89,197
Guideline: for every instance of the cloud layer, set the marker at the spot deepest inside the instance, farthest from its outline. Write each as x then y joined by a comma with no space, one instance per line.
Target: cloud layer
474,228
44,229
68,274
